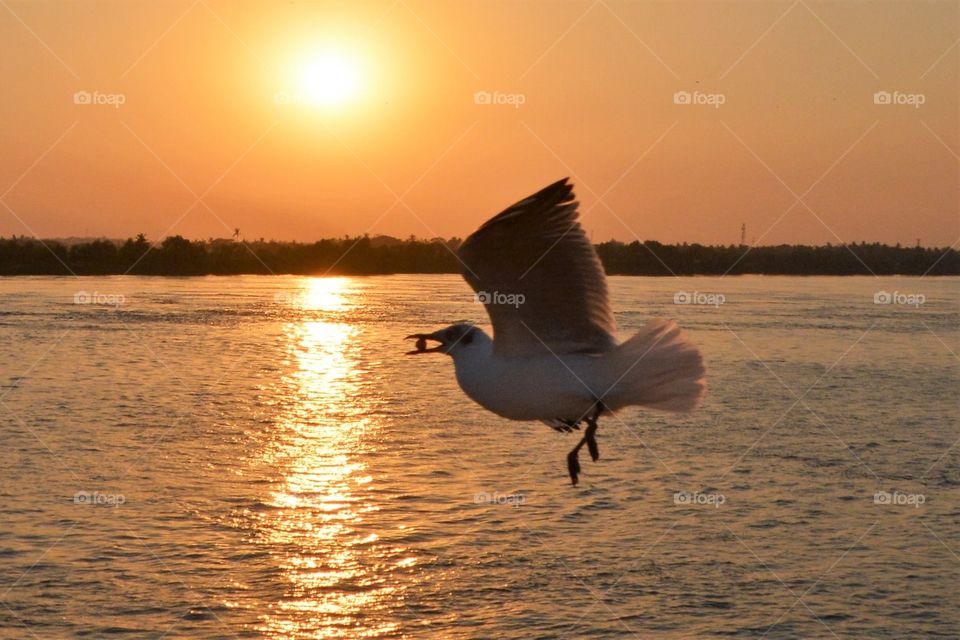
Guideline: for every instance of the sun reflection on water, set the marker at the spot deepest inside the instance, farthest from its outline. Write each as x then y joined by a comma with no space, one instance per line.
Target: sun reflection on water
325,294
314,518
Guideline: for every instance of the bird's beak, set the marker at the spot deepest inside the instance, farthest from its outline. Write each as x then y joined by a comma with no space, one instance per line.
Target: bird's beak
421,339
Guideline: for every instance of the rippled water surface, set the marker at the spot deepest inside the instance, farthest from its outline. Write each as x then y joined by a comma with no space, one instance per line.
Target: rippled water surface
254,457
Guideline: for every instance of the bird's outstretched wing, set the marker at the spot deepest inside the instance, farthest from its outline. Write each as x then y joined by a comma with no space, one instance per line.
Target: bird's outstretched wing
539,277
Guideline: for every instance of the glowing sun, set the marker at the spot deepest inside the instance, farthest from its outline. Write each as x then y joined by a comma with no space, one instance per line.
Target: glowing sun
328,78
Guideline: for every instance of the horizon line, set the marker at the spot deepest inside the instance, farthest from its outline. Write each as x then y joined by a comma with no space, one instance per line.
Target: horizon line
74,240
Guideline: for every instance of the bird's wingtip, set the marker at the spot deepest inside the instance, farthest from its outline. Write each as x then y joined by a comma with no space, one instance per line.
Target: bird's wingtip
562,185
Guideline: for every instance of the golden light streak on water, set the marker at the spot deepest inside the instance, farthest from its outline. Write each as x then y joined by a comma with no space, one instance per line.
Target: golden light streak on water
316,512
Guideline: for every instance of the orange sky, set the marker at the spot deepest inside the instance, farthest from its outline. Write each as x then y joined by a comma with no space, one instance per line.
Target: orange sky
597,80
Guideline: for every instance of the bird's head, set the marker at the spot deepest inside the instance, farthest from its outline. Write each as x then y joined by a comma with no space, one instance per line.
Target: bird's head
457,339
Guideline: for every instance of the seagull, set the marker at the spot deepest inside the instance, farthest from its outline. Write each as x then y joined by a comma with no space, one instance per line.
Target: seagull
554,356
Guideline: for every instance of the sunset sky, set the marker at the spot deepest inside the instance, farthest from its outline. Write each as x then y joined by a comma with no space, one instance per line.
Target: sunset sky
302,120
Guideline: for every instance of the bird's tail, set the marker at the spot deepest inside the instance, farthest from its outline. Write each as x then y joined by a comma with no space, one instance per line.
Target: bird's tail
657,368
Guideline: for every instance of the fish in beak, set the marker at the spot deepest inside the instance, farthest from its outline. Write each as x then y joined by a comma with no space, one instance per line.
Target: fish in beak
421,339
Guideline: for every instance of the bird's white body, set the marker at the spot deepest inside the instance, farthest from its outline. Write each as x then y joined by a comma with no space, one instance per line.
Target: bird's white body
657,368
539,388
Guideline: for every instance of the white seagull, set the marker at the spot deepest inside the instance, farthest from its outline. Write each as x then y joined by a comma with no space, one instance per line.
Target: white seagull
554,356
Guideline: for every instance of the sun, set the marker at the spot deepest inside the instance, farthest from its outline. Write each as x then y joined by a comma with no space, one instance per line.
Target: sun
329,78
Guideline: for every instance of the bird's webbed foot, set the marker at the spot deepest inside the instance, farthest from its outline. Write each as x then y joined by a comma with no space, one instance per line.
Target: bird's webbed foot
573,465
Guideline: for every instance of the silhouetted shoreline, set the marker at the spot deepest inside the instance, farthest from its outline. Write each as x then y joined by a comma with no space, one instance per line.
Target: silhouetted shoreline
177,256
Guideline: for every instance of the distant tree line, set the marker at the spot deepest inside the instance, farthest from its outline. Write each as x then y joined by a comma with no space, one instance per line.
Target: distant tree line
177,256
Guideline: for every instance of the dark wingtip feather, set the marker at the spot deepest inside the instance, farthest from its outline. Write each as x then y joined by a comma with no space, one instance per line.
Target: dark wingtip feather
563,185
558,193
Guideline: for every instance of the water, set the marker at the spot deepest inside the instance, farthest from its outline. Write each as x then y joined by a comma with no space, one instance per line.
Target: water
253,457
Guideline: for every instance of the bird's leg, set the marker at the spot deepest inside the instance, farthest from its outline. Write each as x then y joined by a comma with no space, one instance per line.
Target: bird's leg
592,430
573,460
591,441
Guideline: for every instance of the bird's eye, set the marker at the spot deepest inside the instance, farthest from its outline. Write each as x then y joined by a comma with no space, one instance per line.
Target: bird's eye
467,338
